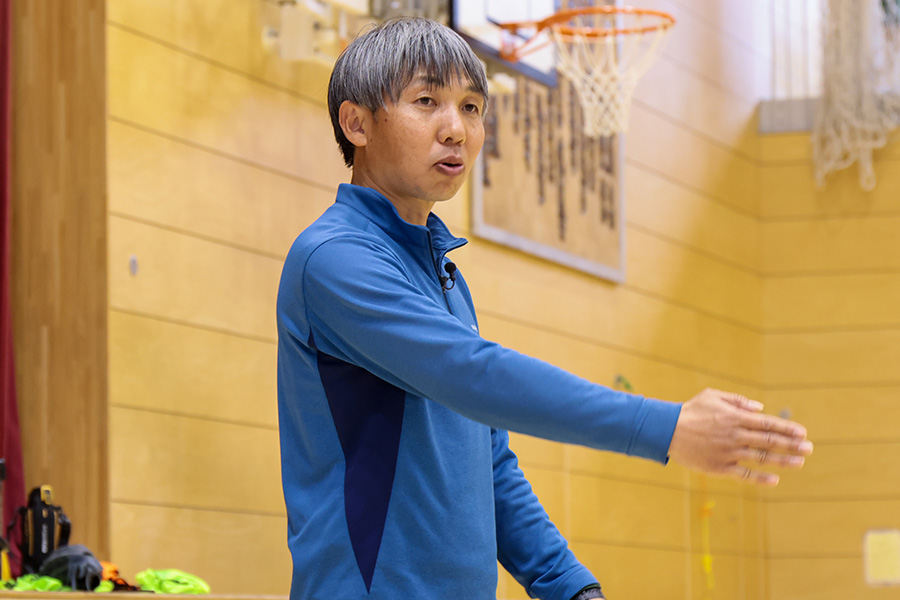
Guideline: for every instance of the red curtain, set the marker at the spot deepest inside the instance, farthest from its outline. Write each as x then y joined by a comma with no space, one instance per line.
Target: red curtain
10,442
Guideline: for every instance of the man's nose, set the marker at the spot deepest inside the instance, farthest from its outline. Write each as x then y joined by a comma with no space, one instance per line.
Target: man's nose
453,127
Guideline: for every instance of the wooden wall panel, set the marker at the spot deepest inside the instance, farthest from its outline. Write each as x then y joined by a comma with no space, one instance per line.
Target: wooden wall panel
859,300
211,177
218,30
177,369
725,577
677,153
591,310
857,244
535,452
228,33
220,547
734,66
505,282
797,148
626,571
826,528
821,579
617,467
160,88
789,191
676,91
189,280
794,147
844,472
684,337
667,208
58,253
624,513
651,377
225,32
830,350
583,359
831,359
754,515
693,279
181,187
848,414
167,460
724,517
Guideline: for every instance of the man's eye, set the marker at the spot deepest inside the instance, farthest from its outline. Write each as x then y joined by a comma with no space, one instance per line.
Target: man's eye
425,101
472,108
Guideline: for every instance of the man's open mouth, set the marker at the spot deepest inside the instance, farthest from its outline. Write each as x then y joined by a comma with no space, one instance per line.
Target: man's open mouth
451,168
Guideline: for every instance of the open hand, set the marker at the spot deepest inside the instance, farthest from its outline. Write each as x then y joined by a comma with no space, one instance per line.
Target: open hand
720,433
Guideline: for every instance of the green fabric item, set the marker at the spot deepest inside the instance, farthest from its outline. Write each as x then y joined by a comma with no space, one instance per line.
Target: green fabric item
39,583
105,586
171,581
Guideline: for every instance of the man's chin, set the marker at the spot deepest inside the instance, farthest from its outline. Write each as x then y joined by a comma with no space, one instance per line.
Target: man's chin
450,192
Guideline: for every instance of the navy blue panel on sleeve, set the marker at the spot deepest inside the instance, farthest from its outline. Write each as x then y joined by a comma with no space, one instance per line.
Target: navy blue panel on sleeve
368,416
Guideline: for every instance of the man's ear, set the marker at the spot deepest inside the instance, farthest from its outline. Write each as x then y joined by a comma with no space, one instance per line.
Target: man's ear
355,121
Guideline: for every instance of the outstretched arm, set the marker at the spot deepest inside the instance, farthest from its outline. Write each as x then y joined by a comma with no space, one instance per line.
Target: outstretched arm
722,433
377,319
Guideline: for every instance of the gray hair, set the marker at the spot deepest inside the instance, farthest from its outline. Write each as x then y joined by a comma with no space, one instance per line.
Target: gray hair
380,64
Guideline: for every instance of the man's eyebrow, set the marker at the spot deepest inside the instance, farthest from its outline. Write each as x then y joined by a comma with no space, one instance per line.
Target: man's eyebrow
426,80
433,83
436,82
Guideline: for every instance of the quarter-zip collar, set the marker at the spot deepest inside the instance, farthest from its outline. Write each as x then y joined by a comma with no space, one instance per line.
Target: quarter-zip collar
383,213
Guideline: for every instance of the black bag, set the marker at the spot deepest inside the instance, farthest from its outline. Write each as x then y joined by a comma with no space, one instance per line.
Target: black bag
45,528
75,566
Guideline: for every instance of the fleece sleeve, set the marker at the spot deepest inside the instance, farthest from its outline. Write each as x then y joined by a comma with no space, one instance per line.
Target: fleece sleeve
529,545
376,318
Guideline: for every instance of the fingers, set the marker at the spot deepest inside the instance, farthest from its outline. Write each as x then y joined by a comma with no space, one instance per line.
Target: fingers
741,402
772,441
759,421
747,475
762,456
772,424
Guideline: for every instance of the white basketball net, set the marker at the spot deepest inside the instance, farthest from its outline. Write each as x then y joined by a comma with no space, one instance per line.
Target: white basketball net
860,102
605,70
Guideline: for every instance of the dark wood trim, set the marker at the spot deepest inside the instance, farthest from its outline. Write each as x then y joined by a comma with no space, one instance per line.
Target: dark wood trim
59,279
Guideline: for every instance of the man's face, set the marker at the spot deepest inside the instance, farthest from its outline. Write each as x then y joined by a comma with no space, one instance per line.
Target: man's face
423,146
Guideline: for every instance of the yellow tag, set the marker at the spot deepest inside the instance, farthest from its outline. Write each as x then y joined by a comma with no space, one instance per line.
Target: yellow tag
882,556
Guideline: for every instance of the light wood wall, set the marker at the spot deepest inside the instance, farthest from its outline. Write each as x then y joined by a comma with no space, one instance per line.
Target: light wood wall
58,255
215,165
219,154
831,346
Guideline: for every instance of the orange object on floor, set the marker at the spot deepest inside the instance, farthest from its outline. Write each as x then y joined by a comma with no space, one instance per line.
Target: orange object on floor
110,570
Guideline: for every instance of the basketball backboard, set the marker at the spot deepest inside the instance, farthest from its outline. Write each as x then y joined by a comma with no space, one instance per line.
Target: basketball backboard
476,21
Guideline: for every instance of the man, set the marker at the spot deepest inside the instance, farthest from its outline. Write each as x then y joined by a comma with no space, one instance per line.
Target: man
398,478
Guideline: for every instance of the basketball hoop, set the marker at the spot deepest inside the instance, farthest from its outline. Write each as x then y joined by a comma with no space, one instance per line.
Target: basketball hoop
602,50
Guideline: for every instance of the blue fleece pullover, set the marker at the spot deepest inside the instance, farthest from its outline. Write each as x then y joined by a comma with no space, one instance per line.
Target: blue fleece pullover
398,478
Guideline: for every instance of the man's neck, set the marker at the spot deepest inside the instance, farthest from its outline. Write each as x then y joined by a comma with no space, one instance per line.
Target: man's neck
411,210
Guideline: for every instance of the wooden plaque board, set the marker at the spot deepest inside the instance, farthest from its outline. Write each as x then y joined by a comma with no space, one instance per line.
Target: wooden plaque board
543,187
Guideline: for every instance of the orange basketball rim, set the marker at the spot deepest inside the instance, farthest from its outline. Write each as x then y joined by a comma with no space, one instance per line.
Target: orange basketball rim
608,21
601,50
